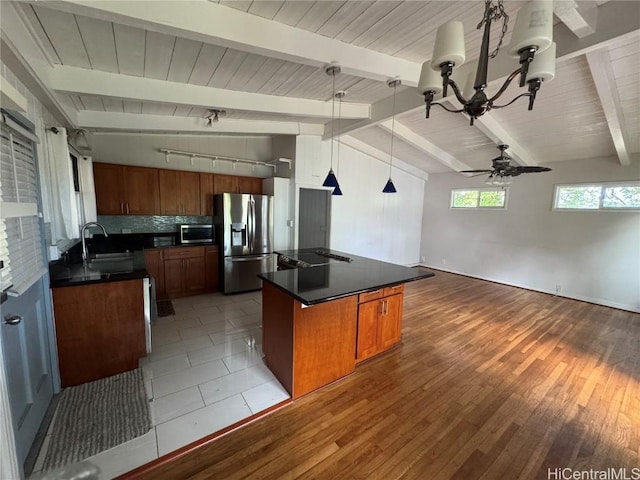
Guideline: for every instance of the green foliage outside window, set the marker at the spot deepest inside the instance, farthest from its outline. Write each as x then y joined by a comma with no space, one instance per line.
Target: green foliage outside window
594,197
479,198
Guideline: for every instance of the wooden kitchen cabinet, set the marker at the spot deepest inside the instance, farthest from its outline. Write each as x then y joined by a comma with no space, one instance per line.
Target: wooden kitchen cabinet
179,192
100,329
155,266
225,184
125,190
379,321
184,271
235,184
206,193
251,185
211,268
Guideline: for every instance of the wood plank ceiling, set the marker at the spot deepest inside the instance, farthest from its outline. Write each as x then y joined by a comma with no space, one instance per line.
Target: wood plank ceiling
118,68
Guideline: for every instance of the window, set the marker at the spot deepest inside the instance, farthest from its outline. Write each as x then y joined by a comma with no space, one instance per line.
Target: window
21,246
603,196
491,198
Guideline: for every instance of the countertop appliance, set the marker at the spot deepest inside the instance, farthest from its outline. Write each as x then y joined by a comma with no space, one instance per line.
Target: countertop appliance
244,229
196,234
308,258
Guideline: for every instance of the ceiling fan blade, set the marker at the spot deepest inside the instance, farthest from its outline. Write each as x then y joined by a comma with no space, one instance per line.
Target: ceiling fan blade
532,169
475,171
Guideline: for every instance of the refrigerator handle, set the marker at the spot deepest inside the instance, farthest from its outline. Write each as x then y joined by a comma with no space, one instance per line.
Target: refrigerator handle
253,224
249,226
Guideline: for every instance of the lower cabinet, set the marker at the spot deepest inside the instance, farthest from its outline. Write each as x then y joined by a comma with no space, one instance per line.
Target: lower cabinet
211,268
155,266
184,271
100,329
379,321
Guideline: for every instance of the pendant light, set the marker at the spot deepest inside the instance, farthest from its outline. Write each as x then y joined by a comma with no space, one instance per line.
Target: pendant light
390,187
331,180
339,95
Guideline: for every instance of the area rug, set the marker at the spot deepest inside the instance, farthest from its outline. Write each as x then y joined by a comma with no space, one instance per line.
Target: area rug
165,308
97,416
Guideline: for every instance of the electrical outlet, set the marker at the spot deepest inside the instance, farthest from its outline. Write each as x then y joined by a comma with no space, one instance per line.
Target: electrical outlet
558,288
444,261
423,259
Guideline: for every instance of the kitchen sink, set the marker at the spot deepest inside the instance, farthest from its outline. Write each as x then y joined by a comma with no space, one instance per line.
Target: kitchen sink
110,257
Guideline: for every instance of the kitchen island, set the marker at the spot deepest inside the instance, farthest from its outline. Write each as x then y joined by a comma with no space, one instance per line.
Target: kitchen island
335,311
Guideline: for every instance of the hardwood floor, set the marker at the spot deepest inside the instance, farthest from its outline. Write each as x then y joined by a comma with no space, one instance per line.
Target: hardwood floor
490,382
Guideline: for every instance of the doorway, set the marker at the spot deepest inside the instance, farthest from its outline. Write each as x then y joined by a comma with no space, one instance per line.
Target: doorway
314,218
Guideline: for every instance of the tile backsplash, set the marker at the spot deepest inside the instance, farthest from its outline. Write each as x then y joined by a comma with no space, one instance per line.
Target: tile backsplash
148,223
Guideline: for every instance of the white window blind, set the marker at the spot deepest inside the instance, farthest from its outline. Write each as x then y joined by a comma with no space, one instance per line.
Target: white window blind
22,231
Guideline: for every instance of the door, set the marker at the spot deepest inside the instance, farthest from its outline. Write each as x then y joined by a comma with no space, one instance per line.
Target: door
28,357
367,336
261,224
313,218
390,325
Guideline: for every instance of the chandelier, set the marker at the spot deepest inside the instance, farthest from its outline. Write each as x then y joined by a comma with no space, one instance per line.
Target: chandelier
531,42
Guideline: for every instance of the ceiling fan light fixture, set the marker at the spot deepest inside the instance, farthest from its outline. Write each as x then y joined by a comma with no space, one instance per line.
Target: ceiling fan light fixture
533,36
502,171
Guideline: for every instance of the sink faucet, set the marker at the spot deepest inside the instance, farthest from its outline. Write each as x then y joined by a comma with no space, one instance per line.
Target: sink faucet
85,227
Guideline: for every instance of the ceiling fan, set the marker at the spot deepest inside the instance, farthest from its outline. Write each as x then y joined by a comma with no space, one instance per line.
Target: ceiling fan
501,169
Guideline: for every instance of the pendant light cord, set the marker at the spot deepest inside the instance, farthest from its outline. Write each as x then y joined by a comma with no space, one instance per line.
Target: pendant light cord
333,104
393,126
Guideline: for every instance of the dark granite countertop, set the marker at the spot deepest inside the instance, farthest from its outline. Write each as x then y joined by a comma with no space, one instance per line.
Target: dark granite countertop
338,279
104,270
71,271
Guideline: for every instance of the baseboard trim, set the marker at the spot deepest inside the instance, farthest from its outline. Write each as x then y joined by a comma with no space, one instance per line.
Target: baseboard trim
595,301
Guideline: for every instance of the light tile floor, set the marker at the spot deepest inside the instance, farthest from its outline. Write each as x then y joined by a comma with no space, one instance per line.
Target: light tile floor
205,373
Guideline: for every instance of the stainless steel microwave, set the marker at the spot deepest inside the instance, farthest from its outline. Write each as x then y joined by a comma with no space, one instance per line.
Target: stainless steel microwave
190,234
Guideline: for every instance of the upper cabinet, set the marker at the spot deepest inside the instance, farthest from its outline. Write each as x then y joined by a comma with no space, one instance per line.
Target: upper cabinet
125,190
225,184
250,185
179,192
206,193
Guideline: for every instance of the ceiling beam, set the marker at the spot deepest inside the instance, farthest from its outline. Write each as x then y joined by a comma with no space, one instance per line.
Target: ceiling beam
600,66
383,157
616,19
219,25
21,46
412,138
83,81
579,17
166,123
499,135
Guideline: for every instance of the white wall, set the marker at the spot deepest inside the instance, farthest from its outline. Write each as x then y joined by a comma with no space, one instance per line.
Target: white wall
365,221
143,150
592,256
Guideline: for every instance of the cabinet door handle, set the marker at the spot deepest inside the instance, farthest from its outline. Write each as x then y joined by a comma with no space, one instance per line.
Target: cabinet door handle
127,208
121,207
385,307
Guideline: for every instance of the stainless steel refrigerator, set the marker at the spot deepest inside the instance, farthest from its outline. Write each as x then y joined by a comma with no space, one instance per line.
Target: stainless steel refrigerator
244,230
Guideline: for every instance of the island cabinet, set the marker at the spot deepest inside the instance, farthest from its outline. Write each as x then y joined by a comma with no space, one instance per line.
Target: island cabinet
100,329
379,321
125,190
179,192
184,271
307,347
